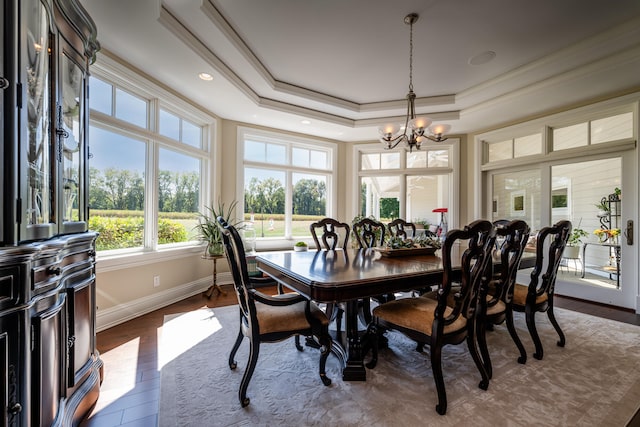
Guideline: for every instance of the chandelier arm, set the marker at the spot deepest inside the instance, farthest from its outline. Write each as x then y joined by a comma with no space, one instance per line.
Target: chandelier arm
437,138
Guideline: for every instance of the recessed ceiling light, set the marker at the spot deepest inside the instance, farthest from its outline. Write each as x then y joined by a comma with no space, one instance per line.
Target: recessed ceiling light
482,58
205,76
306,122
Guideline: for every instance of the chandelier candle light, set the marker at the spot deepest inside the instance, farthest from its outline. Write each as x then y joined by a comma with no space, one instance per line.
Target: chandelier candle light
415,128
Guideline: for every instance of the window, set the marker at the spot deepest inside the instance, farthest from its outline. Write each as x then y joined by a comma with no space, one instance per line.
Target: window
146,175
523,146
175,127
558,185
517,195
286,183
408,185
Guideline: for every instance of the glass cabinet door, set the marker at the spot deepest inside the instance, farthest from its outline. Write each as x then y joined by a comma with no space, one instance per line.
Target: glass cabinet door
70,130
36,153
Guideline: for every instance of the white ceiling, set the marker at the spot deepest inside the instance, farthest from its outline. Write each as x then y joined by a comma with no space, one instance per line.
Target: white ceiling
344,64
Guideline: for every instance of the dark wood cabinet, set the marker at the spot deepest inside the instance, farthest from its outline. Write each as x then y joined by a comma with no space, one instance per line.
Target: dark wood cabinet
50,369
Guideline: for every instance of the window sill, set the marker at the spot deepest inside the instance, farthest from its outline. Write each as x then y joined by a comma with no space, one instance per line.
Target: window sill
124,260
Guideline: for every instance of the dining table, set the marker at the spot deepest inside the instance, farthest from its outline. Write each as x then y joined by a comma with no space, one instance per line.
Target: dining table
350,275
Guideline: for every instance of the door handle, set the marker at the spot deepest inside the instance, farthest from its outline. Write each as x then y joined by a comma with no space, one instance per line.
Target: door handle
628,232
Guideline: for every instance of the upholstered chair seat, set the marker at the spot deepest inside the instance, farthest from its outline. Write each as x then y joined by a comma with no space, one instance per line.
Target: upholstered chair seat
289,317
520,295
418,314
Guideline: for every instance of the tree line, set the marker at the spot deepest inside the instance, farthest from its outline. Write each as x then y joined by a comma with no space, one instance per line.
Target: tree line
121,189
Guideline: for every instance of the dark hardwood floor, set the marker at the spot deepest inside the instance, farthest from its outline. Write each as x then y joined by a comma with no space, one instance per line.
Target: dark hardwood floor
130,391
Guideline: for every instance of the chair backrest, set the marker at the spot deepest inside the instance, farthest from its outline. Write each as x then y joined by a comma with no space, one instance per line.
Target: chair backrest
399,227
333,234
234,251
474,267
550,244
369,233
511,238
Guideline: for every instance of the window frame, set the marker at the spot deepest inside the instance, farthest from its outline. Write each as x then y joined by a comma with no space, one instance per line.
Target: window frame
482,189
121,77
289,141
452,144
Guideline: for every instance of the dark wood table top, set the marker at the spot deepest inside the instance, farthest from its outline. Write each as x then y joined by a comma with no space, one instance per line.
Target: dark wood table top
335,276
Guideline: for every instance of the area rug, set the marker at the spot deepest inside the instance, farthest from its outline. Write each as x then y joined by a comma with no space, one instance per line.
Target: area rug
593,381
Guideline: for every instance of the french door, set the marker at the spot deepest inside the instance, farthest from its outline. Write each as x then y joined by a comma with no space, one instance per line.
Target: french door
573,189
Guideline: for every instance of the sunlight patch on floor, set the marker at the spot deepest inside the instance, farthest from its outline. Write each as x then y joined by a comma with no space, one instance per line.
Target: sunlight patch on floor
186,337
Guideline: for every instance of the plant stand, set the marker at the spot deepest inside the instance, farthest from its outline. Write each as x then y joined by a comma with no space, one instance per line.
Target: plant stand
614,249
214,287
571,253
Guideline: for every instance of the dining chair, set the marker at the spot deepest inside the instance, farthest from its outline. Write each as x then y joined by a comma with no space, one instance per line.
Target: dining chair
537,296
434,322
265,318
399,227
496,294
331,234
369,233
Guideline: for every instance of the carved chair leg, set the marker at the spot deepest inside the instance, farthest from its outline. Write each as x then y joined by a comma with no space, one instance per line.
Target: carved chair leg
232,362
325,341
531,325
514,336
554,322
298,346
254,351
472,343
484,350
436,367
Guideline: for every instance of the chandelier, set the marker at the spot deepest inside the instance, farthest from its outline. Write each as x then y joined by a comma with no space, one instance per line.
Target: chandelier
415,128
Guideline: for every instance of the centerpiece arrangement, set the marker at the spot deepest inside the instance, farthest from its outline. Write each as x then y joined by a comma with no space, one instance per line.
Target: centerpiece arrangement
420,245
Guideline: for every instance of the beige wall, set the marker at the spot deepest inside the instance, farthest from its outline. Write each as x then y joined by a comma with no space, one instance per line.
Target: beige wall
129,292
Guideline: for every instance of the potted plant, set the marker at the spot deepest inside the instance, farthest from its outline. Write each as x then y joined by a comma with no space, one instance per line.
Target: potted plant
573,244
300,246
603,209
208,230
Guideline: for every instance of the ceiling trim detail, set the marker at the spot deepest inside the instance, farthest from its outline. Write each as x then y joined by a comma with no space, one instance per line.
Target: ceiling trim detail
182,32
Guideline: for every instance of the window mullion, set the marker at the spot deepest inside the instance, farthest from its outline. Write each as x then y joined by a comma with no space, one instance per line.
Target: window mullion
151,199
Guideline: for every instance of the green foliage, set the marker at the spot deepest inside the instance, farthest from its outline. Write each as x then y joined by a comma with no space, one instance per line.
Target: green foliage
268,196
207,228
577,234
309,197
171,231
120,233
118,189
389,207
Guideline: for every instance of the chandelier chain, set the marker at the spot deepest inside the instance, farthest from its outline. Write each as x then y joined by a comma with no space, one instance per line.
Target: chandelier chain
411,57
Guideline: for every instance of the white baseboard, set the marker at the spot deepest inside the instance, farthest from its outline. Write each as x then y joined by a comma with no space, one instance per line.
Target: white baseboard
121,313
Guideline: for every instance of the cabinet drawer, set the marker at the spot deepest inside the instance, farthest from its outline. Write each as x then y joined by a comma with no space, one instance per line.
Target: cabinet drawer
11,288
45,274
